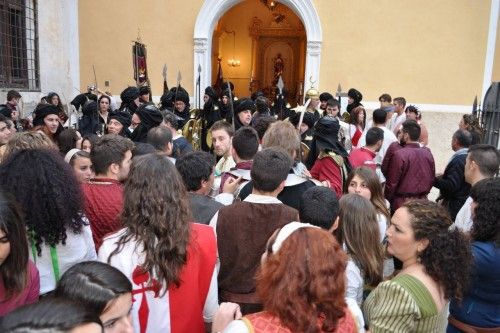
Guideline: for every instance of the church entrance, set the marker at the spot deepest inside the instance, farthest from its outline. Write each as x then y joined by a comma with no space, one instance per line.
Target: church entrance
256,42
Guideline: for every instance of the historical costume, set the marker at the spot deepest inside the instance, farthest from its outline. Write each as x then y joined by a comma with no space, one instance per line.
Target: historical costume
180,94
307,135
410,174
128,97
123,118
89,122
407,299
244,104
159,308
150,117
243,229
209,115
356,97
327,159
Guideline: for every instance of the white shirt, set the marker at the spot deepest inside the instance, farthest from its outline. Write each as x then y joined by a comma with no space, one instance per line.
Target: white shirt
79,247
254,198
126,261
396,121
463,220
354,282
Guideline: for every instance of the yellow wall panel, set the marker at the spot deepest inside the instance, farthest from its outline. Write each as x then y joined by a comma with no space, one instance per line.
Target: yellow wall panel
428,51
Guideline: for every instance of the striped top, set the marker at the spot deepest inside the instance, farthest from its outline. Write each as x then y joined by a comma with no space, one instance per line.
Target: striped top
403,304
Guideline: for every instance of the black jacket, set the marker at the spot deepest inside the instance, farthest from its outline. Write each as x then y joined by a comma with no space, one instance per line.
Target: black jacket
453,188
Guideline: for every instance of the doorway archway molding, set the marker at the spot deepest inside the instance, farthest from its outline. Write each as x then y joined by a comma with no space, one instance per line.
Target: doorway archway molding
212,10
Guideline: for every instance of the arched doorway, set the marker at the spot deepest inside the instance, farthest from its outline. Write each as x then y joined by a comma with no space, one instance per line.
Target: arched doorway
212,10
254,44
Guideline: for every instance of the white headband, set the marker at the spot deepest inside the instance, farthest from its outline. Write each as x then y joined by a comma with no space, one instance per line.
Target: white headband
70,154
286,231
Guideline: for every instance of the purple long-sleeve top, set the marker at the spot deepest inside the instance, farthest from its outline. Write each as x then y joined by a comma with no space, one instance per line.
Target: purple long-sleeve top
410,174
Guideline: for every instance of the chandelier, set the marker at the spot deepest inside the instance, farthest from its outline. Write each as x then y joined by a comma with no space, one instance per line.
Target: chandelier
270,4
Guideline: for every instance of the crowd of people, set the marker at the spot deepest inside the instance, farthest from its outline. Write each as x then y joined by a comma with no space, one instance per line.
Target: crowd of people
261,218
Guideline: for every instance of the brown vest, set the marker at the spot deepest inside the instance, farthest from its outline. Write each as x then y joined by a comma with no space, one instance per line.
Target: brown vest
243,229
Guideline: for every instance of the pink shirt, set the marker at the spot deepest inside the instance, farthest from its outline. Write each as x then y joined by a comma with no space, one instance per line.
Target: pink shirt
29,294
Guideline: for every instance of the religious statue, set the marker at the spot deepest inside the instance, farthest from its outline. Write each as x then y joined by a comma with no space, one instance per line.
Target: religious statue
279,65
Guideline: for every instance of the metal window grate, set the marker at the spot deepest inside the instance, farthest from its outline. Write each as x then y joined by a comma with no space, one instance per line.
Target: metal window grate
19,45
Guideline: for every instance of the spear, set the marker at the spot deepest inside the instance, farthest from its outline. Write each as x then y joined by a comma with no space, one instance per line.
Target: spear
165,84
280,86
231,107
198,87
179,77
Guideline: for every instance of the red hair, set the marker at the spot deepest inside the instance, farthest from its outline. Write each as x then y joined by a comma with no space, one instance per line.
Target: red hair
304,281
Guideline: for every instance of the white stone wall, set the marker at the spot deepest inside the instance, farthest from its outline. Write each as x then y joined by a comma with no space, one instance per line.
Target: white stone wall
58,49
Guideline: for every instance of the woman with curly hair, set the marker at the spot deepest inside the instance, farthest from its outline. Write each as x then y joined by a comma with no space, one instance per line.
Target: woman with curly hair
359,228
170,261
300,290
19,279
27,140
479,307
436,265
470,123
49,194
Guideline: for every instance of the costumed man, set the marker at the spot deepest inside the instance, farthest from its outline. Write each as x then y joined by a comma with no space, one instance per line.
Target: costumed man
167,101
119,123
328,160
181,104
144,93
209,115
130,100
354,98
89,122
243,109
323,98
146,116
306,128
225,107
262,107
333,110
313,106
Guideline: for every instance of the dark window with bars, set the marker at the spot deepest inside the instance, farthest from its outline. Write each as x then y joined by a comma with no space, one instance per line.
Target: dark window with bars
19,45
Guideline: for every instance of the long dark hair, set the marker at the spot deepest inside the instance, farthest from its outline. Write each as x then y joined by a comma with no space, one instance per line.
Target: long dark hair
372,182
156,214
361,235
13,271
486,216
446,247
49,315
47,191
93,284
67,140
